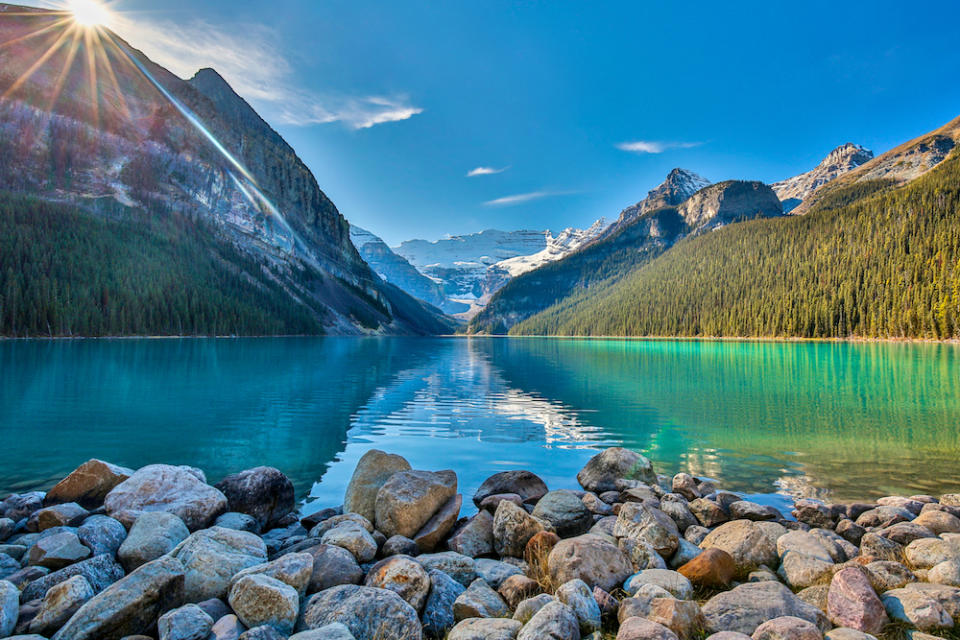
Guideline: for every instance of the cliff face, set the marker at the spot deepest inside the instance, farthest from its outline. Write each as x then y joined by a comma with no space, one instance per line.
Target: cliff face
838,162
141,138
726,202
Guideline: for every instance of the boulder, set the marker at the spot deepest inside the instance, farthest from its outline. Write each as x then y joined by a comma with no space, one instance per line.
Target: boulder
461,568
339,520
816,595
938,522
527,486
529,607
745,510
332,567
479,601
69,514
292,569
680,513
100,572
228,627
369,613
647,524
636,628
490,503
885,575
258,600
371,472
404,576
494,572
565,512
102,534
485,629
685,485
58,551
9,608
189,622
475,538
400,545
439,524
799,570
408,499
579,597
437,615
916,608
746,543
60,603
714,568
852,602
333,631
603,470
671,581
924,553
641,554
512,529
590,558
238,521
518,588
946,572
746,607
787,628
683,617
354,539
153,534
804,542
555,621
708,512
88,484
906,532
686,551
263,493
212,557
160,487
130,606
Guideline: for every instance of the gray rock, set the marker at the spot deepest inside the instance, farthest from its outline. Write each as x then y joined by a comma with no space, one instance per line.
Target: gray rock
399,546
212,557
371,472
437,615
946,573
6,526
22,505
747,606
227,627
69,514
475,538
332,567
685,485
745,510
885,575
926,552
529,607
336,521
787,628
527,486
872,545
188,622
130,606
8,565
100,572
354,539
512,529
408,499
695,534
160,487
439,525
590,558
259,600
238,521
648,524
154,534
916,608
803,542
708,513
494,572
60,603
674,583
565,512
9,608
264,493
680,513
746,542
215,608
579,597
58,551
369,613
641,554
641,629
604,469
485,629
479,601
799,570
263,632
88,484
102,534
555,621
333,631
404,576
292,569
882,516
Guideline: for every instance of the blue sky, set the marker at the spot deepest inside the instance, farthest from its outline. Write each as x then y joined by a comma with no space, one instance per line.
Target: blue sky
550,92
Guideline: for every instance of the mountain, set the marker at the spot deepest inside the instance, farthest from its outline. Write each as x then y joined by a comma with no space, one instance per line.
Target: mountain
841,160
679,185
873,257
131,153
471,268
608,259
397,271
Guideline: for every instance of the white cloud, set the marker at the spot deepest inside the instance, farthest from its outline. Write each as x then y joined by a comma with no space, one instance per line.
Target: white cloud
520,198
651,146
484,171
248,57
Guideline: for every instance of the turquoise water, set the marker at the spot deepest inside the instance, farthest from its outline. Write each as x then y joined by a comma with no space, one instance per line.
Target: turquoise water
843,421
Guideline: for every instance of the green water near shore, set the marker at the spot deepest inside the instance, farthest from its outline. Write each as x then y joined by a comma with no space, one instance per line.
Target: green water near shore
847,421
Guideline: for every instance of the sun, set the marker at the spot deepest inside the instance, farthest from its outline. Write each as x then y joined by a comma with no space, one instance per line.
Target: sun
89,13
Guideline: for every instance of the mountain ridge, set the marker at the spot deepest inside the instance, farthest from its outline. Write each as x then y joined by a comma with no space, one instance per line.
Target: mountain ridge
838,162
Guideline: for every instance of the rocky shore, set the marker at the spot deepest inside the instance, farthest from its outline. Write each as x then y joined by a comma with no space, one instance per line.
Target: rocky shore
111,553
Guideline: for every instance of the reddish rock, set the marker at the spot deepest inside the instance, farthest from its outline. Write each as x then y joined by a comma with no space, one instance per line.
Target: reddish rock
853,603
712,568
88,484
518,588
641,629
539,547
787,628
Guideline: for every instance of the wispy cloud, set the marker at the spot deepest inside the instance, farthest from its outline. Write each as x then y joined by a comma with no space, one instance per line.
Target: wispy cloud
484,171
652,146
520,198
249,58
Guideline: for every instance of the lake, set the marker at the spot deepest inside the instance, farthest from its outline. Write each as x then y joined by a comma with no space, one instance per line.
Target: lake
845,421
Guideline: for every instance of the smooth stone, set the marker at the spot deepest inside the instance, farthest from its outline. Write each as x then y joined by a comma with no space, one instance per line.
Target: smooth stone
708,512
439,524
369,613
188,622
579,597
263,493
745,510
227,627
336,521
461,568
100,572
906,532
683,617
88,484
603,470
565,512
404,576
58,551
787,628
924,553
555,621
354,539
916,609
211,557
153,534
333,631
160,487
69,514
746,607
675,583
685,485
853,603
485,629
131,605
20,506
844,633
636,628
263,632
873,546
408,499
938,522
523,484
641,554
60,603
713,568
402,546
746,542
495,572
590,558
799,570
237,521
215,608
529,607
518,588
946,573
292,569
803,542
475,538
372,471
479,601
686,551
648,524
259,600
883,516
437,615
512,529
9,608
102,534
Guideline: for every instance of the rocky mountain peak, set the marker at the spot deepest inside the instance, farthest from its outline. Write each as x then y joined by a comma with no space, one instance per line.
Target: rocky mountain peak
838,162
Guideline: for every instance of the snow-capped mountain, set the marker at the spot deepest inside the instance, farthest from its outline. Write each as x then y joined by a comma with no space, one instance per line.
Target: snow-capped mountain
841,160
559,246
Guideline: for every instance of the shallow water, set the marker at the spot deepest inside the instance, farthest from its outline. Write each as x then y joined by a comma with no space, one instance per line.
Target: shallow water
840,420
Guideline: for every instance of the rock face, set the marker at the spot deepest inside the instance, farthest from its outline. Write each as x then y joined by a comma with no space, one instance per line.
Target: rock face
130,606
369,613
373,470
726,202
590,558
169,489
88,485
746,607
263,493
408,499
679,185
841,160
210,558
604,469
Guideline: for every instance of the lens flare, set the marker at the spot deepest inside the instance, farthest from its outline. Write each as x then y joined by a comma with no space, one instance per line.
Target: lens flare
89,13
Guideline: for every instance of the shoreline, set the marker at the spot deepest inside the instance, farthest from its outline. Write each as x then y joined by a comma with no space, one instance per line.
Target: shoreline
111,552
